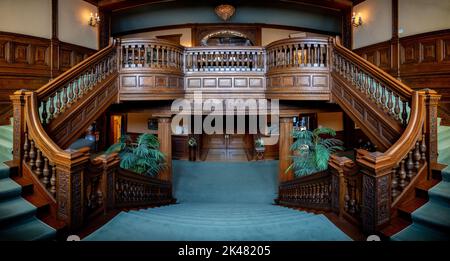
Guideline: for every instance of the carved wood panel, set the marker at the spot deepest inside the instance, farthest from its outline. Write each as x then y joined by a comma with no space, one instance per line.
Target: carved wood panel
25,62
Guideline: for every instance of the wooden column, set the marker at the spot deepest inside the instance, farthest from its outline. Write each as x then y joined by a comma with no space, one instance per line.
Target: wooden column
286,127
336,167
165,140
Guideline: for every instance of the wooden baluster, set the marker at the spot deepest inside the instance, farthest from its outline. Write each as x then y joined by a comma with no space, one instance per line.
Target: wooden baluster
397,107
125,60
394,182
70,96
157,56
25,148
404,113
58,102
139,64
53,181
44,112
417,157
76,91
423,148
383,97
51,107
46,173
402,176
410,166
38,163
377,92
389,102
32,154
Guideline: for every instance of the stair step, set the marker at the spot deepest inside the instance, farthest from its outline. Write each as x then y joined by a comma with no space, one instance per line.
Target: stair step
29,229
416,232
396,225
15,209
25,183
433,215
406,209
220,218
423,187
441,193
4,171
446,174
9,189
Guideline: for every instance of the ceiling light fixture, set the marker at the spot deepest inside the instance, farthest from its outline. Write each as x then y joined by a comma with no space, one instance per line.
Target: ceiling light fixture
224,11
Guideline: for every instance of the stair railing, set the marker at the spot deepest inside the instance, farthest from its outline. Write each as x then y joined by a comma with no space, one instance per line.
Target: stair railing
77,186
312,191
386,176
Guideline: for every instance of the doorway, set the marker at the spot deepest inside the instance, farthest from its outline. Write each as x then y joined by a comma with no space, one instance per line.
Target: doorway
227,147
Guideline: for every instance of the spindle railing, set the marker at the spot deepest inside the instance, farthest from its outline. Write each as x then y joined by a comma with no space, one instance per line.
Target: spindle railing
224,59
151,53
297,53
312,191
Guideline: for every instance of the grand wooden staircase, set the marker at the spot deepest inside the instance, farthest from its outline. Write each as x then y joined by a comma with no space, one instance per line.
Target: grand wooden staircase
370,192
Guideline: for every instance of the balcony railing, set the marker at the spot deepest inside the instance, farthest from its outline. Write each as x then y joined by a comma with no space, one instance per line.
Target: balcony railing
225,59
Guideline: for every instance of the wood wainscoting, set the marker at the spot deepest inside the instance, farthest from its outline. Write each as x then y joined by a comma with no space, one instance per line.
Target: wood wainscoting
26,61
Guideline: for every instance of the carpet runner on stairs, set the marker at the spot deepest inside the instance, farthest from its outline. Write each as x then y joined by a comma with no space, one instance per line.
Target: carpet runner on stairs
432,220
221,201
17,216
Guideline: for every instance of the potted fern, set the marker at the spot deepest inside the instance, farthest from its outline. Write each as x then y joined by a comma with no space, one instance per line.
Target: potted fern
312,150
143,157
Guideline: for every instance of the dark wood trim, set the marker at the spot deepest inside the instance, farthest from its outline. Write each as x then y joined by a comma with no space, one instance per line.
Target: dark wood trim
395,43
92,2
193,25
347,28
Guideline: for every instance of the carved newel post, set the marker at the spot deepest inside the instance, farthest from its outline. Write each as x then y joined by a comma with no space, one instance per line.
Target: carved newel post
431,103
337,169
18,101
69,190
376,192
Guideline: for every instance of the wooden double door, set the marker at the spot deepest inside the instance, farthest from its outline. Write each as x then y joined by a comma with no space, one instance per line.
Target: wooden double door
227,147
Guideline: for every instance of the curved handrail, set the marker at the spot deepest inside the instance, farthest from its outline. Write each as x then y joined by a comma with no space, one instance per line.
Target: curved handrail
295,40
399,87
40,136
151,41
413,132
65,77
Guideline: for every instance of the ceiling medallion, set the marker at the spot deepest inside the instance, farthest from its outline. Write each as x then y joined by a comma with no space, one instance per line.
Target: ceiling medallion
224,11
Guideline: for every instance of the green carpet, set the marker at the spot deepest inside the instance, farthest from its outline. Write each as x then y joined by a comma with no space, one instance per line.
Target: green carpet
17,216
432,220
230,201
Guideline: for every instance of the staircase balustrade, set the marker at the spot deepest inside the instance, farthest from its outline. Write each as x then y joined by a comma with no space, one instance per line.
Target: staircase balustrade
401,121
312,191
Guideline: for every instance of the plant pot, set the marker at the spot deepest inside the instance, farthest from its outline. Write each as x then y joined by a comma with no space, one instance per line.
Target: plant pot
192,154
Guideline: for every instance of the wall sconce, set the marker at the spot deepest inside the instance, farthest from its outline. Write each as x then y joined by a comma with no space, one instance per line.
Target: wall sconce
94,20
356,19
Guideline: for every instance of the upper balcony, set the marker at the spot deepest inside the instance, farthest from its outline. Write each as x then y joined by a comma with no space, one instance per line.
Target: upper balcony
291,69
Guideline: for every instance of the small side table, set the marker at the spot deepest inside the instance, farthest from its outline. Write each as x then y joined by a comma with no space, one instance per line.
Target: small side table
260,153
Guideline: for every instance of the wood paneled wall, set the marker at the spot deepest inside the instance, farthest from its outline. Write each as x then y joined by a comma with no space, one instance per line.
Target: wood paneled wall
26,61
424,61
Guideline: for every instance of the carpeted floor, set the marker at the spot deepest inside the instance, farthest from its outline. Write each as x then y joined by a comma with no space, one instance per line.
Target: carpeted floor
432,220
221,201
17,216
